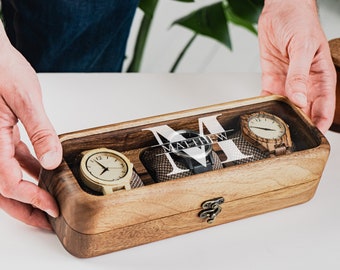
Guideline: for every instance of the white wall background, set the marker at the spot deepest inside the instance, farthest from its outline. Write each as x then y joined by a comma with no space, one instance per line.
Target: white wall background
206,55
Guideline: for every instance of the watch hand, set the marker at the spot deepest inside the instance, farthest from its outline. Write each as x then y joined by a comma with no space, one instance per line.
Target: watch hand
105,170
101,165
263,128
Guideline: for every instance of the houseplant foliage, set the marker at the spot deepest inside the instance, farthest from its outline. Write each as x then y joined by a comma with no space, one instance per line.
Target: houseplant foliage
211,21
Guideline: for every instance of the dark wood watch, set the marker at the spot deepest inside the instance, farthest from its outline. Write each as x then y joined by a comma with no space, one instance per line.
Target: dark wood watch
266,131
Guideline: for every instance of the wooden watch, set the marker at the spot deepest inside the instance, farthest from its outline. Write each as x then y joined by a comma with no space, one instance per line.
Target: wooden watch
267,132
105,170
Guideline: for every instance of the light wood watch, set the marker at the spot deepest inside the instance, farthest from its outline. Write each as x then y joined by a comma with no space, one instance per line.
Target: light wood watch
105,170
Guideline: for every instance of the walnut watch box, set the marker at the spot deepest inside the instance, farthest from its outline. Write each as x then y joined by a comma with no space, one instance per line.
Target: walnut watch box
190,170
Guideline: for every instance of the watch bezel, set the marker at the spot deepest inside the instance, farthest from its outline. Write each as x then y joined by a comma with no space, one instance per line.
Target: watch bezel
263,143
269,116
102,185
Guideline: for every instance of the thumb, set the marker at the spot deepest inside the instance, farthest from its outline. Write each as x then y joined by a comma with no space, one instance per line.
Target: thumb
44,139
29,109
300,61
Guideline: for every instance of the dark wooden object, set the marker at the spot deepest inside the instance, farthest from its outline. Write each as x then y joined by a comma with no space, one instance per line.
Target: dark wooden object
334,45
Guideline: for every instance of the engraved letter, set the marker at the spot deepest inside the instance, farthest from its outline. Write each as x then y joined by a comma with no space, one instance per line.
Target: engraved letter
228,146
197,153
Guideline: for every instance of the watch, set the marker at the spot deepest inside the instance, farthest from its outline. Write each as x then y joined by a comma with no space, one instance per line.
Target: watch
195,151
105,170
267,132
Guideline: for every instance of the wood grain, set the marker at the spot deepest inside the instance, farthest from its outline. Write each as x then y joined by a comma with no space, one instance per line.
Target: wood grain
90,245
91,225
334,46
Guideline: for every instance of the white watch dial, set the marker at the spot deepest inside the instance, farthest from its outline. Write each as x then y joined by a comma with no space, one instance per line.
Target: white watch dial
106,166
266,127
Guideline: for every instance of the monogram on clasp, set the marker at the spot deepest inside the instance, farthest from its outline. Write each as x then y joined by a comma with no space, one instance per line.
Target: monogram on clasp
211,209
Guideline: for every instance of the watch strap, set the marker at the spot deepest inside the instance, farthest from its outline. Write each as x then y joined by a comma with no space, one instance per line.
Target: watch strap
136,181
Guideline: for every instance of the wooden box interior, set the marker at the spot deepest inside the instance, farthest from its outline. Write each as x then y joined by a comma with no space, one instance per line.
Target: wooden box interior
129,142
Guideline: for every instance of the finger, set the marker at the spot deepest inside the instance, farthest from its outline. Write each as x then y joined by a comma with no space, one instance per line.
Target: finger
266,93
274,65
25,213
11,184
26,160
272,85
322,120
323,106
26,103
43,137
301,56
29,193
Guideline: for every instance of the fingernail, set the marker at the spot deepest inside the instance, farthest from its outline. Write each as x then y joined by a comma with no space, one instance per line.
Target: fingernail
300,99
50,160
52,213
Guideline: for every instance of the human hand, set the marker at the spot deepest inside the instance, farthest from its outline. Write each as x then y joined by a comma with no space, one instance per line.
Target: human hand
296,60
20,99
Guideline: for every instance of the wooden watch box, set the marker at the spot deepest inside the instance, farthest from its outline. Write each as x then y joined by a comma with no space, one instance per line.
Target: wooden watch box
93,224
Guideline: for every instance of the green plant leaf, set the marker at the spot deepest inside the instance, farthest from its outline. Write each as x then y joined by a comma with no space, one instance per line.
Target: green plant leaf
248,10
209,21
232,17
183,52
188,1
148,6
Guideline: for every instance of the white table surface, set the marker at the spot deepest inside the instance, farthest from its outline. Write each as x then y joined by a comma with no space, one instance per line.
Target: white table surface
306,236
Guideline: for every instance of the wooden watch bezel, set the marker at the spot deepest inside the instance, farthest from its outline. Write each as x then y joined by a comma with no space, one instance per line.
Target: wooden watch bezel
101,185
265,144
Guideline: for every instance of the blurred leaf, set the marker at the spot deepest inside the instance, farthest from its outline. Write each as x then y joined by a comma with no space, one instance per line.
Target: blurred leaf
232,17
248,10
183,52
148,6
208,21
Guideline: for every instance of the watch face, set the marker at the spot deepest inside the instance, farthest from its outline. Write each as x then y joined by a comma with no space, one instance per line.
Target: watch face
266,126
106,166
105,170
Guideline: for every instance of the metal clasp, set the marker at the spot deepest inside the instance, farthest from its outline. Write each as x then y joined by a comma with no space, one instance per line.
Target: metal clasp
211,209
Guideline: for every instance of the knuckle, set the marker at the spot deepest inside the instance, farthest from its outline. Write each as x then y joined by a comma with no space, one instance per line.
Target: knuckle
39,137
298,80
6,190
36,200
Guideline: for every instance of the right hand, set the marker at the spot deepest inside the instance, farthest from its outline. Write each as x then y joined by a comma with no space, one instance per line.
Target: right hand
295,58
20,99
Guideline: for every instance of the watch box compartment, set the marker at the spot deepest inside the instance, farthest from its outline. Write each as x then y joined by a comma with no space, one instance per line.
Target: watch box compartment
91,224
